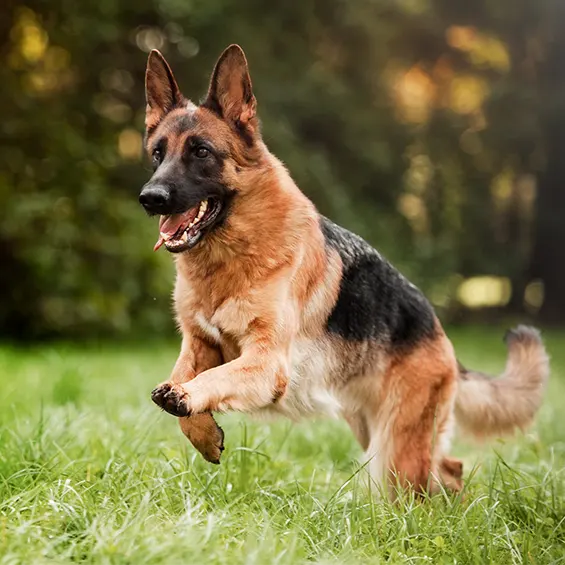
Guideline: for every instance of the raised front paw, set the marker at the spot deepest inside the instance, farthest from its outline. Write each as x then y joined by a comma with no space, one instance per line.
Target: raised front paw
205,434
171,398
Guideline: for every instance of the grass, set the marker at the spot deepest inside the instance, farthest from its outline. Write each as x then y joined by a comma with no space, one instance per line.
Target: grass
92,472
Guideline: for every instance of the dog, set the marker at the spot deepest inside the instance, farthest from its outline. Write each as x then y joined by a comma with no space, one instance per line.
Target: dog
283,311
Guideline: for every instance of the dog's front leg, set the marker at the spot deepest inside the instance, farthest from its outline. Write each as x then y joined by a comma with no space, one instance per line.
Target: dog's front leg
254,380
201,429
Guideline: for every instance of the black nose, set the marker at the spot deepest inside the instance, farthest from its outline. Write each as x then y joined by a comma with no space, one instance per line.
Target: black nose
155,198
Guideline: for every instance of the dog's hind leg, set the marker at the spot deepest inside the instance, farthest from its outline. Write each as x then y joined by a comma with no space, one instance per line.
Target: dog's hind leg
410,431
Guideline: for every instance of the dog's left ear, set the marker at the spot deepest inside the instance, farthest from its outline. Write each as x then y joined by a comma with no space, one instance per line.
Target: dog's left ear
161,90
230,94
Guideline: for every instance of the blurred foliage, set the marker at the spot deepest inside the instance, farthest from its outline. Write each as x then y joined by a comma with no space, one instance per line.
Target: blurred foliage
417,123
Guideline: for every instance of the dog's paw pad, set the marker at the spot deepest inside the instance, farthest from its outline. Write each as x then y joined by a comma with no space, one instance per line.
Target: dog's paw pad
159,392
171,398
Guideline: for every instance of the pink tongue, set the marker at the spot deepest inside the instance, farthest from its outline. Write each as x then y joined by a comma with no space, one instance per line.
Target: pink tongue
169,225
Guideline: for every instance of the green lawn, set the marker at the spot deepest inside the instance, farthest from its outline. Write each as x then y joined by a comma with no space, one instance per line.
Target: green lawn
91,471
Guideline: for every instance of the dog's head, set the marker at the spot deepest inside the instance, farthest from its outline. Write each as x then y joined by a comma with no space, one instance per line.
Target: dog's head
199,153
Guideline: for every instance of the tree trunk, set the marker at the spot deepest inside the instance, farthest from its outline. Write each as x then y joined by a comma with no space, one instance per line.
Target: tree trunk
548,256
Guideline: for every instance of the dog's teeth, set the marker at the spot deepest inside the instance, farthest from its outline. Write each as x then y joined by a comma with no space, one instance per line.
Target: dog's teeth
201,212
203,207
184,236
165,236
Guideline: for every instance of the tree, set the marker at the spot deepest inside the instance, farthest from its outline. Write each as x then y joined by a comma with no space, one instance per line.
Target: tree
548,256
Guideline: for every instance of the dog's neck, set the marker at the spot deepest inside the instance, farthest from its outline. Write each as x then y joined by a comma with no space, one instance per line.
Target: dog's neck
255,239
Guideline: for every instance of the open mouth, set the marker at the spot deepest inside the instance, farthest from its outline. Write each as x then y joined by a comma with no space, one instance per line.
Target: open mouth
179,232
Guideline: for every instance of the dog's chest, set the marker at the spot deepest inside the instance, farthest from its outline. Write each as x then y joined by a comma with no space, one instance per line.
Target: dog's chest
310,368
309,391
217,335
210,330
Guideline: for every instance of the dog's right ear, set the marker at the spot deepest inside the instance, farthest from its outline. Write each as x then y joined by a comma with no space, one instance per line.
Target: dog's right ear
161,90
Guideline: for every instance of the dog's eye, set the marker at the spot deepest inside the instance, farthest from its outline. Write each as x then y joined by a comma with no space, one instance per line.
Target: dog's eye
157,157
201,152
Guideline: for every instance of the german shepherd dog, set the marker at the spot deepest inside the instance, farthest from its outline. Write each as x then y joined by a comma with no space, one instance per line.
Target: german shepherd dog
283,311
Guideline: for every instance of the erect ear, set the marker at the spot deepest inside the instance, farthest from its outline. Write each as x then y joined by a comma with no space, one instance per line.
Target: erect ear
230,94
161,90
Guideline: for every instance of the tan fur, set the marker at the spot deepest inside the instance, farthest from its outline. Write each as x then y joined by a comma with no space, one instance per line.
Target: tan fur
252,300
402,416
247,287
161,88
231,85
486,406
200,429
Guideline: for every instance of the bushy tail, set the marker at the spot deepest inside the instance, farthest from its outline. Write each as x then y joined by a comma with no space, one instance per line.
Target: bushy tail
487,406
